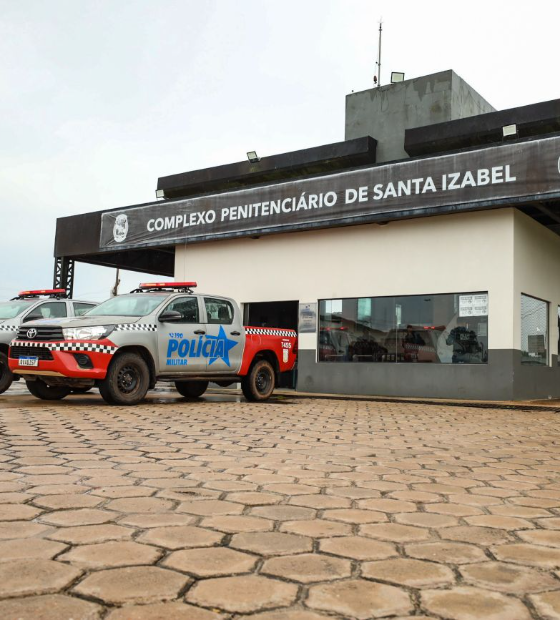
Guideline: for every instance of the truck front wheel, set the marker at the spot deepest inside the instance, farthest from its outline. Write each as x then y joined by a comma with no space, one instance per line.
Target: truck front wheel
6,376
127,380
41,390
191,389
258,385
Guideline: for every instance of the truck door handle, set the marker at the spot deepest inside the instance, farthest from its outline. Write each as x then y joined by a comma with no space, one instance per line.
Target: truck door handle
199,331
235,333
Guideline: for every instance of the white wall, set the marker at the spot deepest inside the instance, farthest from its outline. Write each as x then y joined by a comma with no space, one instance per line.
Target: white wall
444,254
537,273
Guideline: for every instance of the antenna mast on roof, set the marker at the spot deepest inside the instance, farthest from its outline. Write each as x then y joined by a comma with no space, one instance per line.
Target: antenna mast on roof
377,79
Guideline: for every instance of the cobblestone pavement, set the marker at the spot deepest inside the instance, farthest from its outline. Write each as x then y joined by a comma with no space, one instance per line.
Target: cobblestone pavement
291,510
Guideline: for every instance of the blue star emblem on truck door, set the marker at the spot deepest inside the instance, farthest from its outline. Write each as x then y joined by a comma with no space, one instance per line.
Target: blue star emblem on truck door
222,347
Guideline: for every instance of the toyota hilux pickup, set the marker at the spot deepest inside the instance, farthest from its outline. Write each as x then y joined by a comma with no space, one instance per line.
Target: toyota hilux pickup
158,332
29,306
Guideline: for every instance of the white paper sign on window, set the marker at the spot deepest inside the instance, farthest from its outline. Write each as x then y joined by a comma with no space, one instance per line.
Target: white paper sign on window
473,305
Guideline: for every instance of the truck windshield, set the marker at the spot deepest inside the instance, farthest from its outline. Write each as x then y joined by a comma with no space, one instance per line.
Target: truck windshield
127,305
11,309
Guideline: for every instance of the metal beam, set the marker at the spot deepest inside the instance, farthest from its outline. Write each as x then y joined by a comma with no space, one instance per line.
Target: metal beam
64,274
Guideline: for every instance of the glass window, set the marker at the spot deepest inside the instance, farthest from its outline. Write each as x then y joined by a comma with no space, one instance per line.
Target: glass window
534,331
140,304
187,307
80,308
48,310
11,309
218,311
440,329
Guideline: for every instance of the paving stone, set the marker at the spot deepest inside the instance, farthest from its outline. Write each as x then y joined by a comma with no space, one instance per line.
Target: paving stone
234,524
530,555
465,603
136,584
210,508
34,576
17,512
213,562
140,504
242,594
180,537
475,535
121,491
316,528
446,552
320,502
357,548
271,543
503,523
549,538
507,578
283,513
547,605
85,516
29,548
351,515
163,611
22,529
111,554
455,510
289,613
162,519
426,519
88,534
407,572
387,505
58,502
394,532
307,567
359,599
49,607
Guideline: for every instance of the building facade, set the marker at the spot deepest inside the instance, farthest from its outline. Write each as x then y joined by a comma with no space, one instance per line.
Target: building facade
418,258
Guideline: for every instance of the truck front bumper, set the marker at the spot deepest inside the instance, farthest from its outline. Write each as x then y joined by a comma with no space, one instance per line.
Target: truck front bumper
78,359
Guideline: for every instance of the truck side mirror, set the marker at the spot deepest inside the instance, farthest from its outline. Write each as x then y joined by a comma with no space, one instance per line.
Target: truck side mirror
170,316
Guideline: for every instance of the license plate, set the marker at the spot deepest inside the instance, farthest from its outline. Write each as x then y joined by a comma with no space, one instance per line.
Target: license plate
28,361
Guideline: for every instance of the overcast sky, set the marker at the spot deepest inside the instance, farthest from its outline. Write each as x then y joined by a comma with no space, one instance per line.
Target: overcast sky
100,98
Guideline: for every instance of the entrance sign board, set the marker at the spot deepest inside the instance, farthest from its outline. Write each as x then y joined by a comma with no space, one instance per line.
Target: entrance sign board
514,170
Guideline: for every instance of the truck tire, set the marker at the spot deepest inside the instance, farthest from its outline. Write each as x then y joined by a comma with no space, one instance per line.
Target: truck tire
258,385
6,376
41,390
127,380
191,389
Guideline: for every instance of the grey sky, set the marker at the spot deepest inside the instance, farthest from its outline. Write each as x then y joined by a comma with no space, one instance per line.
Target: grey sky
99,98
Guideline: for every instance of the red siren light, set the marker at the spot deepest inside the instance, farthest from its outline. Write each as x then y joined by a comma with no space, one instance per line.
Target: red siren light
43,291
168,285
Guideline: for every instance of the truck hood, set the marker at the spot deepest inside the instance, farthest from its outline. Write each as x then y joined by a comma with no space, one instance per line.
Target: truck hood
86,321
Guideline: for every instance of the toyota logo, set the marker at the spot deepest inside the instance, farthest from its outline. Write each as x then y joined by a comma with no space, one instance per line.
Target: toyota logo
31,333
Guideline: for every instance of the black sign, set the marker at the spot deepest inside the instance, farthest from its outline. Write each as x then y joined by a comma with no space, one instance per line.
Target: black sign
507,171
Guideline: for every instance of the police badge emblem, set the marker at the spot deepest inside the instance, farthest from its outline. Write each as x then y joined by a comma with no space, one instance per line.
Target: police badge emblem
120,229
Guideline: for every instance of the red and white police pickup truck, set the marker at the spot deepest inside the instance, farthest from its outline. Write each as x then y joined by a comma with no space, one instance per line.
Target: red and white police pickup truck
158,332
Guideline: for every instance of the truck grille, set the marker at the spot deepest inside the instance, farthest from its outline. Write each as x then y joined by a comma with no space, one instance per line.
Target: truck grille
21,351
42,332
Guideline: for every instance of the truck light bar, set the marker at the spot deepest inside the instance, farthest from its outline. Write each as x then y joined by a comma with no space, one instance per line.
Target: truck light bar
52,292
165,286
169,285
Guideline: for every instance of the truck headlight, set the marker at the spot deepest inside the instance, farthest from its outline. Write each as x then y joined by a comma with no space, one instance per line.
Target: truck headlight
87,333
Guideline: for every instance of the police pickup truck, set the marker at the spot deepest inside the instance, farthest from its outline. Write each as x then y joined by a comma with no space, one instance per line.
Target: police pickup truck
30,306
158,332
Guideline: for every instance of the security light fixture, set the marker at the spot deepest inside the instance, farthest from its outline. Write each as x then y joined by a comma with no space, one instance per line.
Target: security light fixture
160,193
253,157
509,131
396,76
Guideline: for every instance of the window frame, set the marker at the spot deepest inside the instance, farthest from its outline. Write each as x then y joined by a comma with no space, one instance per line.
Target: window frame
548,331
395,328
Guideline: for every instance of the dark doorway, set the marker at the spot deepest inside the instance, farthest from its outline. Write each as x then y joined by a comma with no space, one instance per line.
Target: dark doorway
274,314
